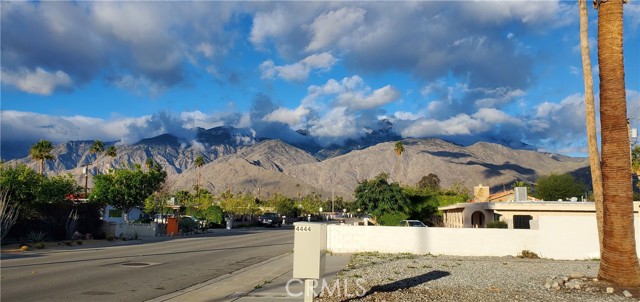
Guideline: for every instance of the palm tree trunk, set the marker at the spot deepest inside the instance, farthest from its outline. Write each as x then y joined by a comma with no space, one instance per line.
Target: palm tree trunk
619,261
42,166
592,140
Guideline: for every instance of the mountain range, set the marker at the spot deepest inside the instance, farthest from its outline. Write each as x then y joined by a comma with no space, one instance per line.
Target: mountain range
236,160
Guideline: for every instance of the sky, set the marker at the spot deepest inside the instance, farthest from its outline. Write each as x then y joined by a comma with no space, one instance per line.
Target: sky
465,71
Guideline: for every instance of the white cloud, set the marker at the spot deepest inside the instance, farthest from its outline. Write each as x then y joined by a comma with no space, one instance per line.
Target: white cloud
352,93
298,71
195,119
331,26
293,118
337,124
498,96
482,121
138,85
355,100
39,81
266,24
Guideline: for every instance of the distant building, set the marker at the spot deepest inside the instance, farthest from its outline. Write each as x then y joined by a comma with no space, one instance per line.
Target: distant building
482,194
517,215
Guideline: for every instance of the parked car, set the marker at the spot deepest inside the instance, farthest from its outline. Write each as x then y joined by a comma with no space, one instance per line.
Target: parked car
412,223
270,219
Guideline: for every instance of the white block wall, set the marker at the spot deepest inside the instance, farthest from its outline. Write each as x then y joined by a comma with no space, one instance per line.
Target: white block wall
558,237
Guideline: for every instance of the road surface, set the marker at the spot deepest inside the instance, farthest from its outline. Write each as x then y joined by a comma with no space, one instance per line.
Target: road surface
136,272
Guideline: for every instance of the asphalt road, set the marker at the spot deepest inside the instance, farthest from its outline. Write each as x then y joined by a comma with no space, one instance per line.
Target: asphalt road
137,272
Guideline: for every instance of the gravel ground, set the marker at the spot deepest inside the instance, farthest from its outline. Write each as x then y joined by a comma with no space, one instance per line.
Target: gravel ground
406,277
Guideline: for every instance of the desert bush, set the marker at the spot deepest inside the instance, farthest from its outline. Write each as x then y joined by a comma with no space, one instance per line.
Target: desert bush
497,225
392,218
36,237
39,245
528,254
79,242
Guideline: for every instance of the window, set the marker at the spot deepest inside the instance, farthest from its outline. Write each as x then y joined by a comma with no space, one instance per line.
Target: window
522,221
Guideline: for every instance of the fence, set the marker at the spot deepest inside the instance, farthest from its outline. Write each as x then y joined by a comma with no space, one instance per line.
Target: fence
136,229
557,237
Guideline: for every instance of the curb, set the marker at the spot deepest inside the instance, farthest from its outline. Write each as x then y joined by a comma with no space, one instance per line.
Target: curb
215,280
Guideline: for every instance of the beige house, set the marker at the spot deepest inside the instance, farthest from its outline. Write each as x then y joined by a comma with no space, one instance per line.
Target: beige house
517,215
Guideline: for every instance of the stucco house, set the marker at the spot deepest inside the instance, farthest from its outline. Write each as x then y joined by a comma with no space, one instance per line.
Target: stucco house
517,215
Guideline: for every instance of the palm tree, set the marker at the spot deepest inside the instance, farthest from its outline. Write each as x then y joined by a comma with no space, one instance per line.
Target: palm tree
41,151
149,164
199,163
111,152
399,149
592,140
619,261
96,148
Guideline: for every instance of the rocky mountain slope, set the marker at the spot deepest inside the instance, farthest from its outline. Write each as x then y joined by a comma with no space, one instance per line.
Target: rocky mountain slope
238,161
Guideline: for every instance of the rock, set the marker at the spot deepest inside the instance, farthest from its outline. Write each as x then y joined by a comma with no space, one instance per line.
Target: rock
565,278
576,275
594,279
76,235
547,285
609,290
88,236
627,294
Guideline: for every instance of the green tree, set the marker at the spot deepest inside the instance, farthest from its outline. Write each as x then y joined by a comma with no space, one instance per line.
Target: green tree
199,162
430,182
398,148
554,187
239,204
378,196
283,205
156,203
635,160
619,260
111,152
41,151
125,189
310,204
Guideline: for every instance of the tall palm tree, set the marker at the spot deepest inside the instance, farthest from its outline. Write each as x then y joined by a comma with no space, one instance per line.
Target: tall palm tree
96,148
399,149
199,163
619,261
592,140
111,152
41,151
149,164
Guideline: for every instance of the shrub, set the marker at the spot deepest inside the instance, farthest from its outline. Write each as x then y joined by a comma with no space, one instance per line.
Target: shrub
188,225
497,225
392,218
36,237
68,243
24,248
79,242
111,238
528,254
39,245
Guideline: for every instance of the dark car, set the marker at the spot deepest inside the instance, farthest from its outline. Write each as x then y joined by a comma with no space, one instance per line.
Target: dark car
270,219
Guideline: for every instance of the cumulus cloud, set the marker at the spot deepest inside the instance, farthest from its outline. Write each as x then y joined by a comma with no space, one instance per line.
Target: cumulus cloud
293,118
351,93
85,40
331,26
337,124
39,81
298,71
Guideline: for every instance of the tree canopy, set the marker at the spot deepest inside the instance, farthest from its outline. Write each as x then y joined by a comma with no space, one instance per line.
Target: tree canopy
430,182
554,187
41,151
377,196
125,189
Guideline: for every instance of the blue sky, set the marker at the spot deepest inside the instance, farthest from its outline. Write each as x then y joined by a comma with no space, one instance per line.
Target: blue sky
502,71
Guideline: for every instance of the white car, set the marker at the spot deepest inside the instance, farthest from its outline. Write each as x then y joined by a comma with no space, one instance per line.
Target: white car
412,223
